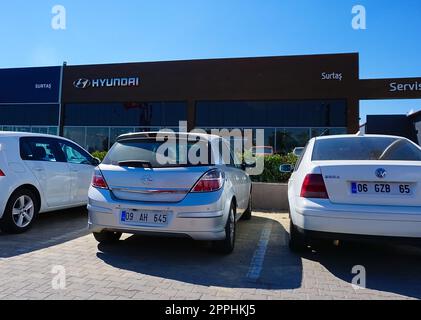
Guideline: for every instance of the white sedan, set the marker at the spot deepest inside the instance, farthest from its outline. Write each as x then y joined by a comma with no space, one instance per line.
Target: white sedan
355,187
40,173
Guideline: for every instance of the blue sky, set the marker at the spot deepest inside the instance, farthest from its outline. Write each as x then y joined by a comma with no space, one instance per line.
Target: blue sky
138,30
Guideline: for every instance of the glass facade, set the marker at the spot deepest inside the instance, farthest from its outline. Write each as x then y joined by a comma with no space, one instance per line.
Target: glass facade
37,118
287,124
35,129
96,126
289,138
29,114
102,138
284,140
305,113
130,114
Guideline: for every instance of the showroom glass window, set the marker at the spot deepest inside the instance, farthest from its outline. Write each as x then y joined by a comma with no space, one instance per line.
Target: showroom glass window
302,113
36,118
287,124
29,115
96,126
134,114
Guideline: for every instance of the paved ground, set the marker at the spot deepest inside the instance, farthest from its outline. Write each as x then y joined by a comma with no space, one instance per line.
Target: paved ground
262,267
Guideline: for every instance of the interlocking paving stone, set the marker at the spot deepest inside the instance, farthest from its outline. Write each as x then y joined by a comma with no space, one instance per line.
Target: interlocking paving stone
140,267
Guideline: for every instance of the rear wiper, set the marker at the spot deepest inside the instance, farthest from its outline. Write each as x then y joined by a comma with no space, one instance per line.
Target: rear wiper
135,164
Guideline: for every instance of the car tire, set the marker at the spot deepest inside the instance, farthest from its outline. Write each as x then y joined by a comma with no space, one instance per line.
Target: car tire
20,212
297,241
247,214
107,237
227,245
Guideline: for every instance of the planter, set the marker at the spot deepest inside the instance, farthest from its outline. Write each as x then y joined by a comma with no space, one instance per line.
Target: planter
270,196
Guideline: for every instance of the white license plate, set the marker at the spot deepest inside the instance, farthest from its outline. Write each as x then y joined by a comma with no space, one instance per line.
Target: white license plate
393,189
144,217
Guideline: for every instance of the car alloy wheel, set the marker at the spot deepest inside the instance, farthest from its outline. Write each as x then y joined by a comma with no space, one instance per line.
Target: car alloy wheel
23,211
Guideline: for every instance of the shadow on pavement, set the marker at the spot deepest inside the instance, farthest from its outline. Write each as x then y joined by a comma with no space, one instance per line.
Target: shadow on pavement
389,268
50,229
194,262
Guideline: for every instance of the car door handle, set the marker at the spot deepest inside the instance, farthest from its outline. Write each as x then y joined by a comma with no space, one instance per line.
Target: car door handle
38,169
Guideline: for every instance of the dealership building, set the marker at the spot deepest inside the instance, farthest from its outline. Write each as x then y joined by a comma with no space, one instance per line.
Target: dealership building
293,98
404,125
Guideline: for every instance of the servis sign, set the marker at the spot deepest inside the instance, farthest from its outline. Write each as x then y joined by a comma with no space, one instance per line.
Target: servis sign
402,87
84,83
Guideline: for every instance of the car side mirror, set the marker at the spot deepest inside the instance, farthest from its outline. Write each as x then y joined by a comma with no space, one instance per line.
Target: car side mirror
95,162
286,168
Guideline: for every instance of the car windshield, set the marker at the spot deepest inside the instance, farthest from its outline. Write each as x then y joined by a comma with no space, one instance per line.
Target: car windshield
150,152
365,148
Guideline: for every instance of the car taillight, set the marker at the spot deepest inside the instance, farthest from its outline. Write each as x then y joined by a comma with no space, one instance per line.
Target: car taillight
98,180
211,181
2,174
314,187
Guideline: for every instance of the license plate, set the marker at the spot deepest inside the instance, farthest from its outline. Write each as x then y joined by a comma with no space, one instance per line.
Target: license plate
402,189
144,217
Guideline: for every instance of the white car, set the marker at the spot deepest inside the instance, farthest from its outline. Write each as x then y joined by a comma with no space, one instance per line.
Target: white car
355,187
133,192
40,173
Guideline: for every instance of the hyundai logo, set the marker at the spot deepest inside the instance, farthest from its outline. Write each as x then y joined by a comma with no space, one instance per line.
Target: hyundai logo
82,83
381,173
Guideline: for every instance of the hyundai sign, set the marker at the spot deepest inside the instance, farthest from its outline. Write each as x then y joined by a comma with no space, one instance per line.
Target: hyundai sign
30,85
83,83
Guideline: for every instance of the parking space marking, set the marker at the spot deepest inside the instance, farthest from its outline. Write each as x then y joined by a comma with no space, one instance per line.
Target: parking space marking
256,264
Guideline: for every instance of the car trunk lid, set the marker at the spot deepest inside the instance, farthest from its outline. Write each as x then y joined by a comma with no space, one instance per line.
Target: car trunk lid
372,182
143,183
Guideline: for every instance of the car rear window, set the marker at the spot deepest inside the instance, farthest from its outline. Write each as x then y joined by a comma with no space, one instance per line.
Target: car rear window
365,148
160,154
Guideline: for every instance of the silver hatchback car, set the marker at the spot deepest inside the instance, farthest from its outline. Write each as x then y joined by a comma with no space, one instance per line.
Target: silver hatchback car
187,185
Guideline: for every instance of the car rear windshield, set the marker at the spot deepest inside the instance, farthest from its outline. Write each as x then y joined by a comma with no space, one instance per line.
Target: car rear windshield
365,148
149,152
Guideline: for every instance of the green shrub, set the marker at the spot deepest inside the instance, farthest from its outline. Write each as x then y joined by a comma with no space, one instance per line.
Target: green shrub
271,172
99,154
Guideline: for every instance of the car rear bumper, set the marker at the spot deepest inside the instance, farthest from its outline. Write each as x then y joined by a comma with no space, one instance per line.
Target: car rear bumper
194,217
311,235
382,221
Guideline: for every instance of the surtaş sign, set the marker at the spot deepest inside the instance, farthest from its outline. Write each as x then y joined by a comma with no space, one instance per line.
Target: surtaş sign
84,83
